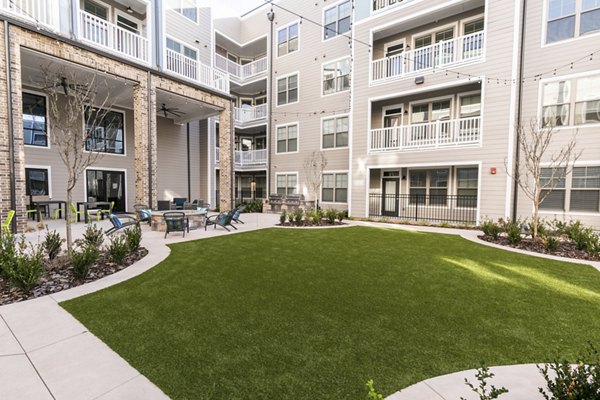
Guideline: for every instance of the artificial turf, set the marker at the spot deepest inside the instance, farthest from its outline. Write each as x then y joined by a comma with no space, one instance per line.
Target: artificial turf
314,314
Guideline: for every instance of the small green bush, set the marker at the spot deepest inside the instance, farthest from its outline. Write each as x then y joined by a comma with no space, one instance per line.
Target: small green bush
118,249
568,383
341,215
93,235
8,253
491,228
513,232
331,215
559,227
27,266
83,260
298,214
482,375
254,206
283,217
551,242
316,217
52,244
133,236
373,395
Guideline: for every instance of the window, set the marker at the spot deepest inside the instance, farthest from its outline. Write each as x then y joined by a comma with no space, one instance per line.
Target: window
287,139
287,90
335,188
466,187
182,49
585,189
473,44
336,76
571,18
423,114
34,120
335,132
426,56
187,8
473,27
553,180
555,107
95,9
587,106
428,187
36,181
105,131
287,40
337,19
286,184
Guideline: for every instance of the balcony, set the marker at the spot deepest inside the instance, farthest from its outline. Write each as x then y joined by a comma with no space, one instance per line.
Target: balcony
433,135
36,11
250,115
380,5
191,69
446,53
113,38
241,73
250,158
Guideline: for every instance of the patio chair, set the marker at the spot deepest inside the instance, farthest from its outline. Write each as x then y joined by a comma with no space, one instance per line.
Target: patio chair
6,223
236,214
75,213
120,222
176,221
100,213
223,220
143,212
178,202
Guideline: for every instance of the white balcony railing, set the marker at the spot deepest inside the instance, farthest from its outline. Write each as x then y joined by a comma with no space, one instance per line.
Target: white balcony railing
379,5
250,158
442,54
189,68
250,114
241,72
112,37
451,133
43,12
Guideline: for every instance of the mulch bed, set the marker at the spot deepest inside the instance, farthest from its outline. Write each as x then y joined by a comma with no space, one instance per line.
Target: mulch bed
59,277
565,248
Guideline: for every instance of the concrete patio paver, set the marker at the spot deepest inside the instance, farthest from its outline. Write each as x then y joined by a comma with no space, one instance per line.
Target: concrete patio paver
19,380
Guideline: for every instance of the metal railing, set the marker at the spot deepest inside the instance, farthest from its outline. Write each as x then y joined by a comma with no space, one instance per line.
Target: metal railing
379,5
419,207
250,114
112,37
189,68
241,72
442,54
250,158
43,12
450,133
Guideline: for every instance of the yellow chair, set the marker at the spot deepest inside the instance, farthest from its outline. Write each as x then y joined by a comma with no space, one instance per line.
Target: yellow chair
107,212
6,223
75,213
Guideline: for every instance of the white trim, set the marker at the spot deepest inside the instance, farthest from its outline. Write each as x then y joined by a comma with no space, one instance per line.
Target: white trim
391,107
298,22
109,8
389,9
432,88
335,172
335,78
128,17
334,117
104,153
429,102
463,22
48,137
286,125
109,169
297,73
431,33
239,44
46,167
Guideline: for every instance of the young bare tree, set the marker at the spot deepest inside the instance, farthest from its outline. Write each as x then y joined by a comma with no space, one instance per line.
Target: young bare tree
534,143
314,164
76,111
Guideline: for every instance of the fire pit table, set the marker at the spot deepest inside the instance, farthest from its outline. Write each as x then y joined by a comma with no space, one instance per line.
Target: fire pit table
195,218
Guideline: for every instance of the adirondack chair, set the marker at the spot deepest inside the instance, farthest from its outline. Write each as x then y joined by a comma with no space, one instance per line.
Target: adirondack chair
223,220
6,223
120,222
176,221
143,212
236,214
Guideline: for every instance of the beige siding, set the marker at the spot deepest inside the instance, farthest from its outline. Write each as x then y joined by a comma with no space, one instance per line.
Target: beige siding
188,32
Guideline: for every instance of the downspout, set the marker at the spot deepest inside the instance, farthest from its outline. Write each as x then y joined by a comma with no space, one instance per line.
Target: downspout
150,160
518,121
270,17
189,178
11,127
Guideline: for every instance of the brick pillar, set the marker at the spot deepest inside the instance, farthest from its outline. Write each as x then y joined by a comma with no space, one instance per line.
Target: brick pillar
226,175
145,144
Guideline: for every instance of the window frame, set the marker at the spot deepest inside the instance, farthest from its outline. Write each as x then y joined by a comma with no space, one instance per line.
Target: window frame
179,7
335,132
287,187
287,77
124,128
287,41
428,186
48,141
287,126
336,77
48,170
337,5
335,187
458,188
184,46
576,24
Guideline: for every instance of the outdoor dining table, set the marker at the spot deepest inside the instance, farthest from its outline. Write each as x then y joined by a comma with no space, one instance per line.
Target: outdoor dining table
62,206
91,205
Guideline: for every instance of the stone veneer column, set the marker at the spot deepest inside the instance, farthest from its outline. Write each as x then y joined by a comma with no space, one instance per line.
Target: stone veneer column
225,159
145,144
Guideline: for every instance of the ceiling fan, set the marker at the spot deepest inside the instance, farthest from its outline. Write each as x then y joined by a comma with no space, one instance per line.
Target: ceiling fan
66,86
174,111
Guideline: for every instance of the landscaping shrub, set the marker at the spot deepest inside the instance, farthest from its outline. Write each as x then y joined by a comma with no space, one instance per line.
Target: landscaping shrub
8,253
118,249
254,206
559,227
491,228
482,375
331,214
27,267
513,232
83,260
316,216
283,217
133,236
341,215
52,244
551,242
567,383
298,214
93,235
584,238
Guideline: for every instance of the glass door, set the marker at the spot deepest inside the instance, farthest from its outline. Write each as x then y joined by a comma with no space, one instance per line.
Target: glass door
107,186
390,197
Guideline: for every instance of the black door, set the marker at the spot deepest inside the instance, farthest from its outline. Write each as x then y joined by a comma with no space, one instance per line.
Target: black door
389,205
107,186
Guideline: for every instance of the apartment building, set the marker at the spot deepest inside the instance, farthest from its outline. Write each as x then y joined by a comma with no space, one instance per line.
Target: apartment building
413,103
155,59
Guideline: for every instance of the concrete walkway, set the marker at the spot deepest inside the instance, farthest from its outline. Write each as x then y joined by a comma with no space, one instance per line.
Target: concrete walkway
45,353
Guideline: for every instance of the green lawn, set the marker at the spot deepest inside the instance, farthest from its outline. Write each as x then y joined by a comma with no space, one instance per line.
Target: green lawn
314,314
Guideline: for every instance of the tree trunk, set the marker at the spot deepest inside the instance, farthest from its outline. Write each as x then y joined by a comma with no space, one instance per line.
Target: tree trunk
535,221
68,221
